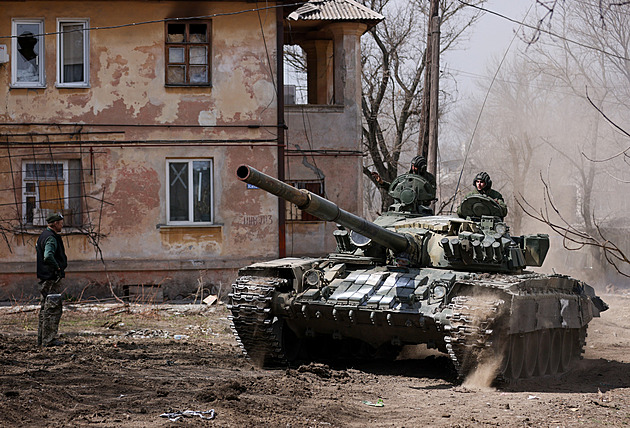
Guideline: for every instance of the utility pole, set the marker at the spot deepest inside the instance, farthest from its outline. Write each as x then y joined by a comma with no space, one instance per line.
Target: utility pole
435,91
282,246
427,143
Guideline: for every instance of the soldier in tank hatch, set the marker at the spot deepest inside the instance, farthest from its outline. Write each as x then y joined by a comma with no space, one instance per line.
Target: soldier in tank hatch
482,185
51,265
418,167
413,191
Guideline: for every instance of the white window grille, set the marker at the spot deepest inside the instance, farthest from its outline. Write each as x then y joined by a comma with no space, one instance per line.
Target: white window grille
189,191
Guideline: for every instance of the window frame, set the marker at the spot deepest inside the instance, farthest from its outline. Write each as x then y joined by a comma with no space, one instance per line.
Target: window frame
41,83
85,83
186,45
26,194
189,222
296,215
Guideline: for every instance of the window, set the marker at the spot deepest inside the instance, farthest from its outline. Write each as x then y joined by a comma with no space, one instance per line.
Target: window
189,191
73,53
49,187
27,54
188,53
309,73
313,186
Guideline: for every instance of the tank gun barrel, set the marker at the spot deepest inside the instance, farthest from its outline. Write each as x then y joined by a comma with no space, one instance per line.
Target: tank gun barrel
323,209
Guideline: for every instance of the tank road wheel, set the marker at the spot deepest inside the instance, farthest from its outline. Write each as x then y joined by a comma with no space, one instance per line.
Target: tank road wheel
556,351
544,352
517,356
386,351
567,349
319,348
503,352
290,345
531,354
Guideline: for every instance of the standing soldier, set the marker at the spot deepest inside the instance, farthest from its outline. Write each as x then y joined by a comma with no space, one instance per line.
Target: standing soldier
51,264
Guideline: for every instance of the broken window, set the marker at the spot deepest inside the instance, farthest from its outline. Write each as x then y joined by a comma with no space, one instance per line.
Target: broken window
73,53
27,54
188,53
313,186
189,191
51,187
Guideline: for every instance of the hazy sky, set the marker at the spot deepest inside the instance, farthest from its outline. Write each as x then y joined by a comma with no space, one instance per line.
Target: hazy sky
489,39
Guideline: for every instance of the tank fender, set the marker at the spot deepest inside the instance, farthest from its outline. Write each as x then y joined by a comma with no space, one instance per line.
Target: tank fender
598,304
548,312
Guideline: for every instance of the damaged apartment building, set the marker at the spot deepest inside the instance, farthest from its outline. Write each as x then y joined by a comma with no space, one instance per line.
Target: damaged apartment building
131,119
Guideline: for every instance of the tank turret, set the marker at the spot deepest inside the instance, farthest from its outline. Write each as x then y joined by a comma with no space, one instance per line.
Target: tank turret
414,239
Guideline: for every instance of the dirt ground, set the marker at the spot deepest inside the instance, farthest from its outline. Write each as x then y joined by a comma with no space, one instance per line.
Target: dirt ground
125,367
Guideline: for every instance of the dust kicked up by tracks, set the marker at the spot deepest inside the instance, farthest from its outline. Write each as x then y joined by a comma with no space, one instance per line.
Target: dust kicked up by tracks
124,367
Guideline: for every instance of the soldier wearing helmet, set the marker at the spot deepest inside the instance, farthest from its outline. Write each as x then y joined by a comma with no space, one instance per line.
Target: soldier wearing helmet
418,167
413,191
482,185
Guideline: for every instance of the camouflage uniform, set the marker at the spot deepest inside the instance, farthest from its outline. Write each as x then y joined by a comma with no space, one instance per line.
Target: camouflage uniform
486,191
50,311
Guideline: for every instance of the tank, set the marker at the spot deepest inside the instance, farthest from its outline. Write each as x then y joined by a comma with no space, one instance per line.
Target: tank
459,285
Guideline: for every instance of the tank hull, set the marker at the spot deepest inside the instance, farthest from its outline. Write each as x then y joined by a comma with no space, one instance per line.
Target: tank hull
526,324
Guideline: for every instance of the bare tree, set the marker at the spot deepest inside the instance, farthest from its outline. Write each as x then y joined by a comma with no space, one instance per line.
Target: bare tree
507,138
393,65
575,238
587,46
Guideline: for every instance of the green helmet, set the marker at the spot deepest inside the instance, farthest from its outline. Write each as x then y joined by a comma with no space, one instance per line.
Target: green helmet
420,163
485,178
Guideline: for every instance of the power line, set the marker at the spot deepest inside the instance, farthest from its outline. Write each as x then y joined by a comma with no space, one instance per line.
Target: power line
551,33
156,21
483,104
529,84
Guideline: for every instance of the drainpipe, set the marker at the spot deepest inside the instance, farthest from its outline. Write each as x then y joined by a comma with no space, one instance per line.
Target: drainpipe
282,246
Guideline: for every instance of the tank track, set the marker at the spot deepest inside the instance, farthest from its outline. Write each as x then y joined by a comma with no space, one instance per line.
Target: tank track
475,336
252,321
471,331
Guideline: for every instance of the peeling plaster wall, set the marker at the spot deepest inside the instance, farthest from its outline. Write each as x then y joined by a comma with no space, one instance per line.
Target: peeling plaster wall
335,128
127,67
327,128
127,89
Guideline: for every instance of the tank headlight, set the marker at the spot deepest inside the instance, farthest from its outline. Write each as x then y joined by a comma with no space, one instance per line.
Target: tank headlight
312,278
358,239
439,291
500,228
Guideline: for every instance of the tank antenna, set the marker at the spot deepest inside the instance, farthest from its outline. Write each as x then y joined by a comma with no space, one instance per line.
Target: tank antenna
483,105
